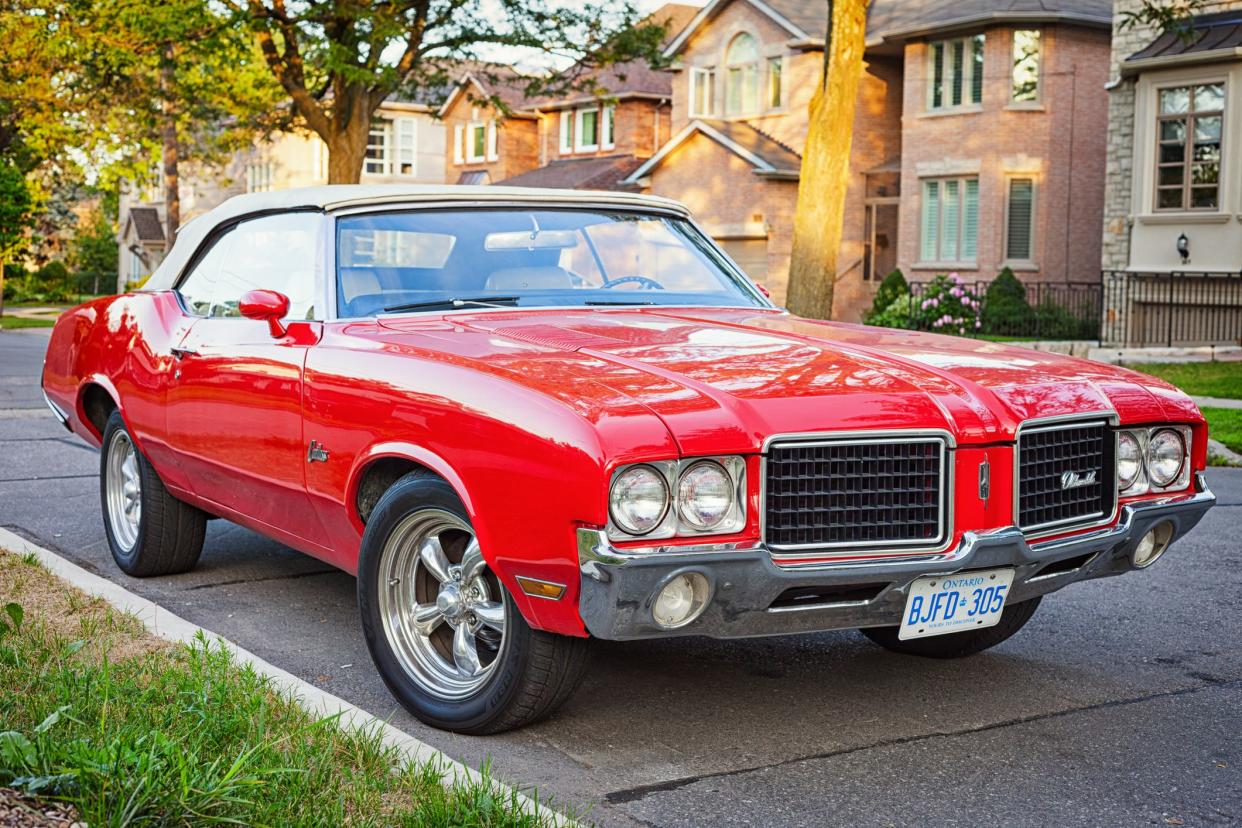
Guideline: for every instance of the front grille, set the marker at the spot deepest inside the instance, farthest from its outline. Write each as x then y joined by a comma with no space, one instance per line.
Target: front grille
1065,475
865,494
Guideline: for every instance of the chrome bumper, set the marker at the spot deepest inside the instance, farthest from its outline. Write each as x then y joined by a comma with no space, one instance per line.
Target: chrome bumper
619,585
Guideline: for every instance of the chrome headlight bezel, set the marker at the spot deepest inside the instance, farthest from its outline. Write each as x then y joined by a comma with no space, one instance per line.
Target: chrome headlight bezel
674,523
614,499
1146,482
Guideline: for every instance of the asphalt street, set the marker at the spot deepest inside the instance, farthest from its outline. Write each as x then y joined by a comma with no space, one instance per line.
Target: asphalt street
1120,704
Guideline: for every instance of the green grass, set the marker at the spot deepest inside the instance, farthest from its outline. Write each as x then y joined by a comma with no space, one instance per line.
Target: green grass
1204,379
1225,425
131,730
11,323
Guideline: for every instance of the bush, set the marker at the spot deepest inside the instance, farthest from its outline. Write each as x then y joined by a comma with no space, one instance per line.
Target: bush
895,315
50,283
893,286
1055,322
947,306
1005,309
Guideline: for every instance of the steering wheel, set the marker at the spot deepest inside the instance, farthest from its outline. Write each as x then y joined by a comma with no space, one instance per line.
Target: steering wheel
643,281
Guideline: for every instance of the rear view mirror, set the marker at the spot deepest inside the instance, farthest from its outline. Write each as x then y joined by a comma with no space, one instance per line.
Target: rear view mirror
531,240
268,306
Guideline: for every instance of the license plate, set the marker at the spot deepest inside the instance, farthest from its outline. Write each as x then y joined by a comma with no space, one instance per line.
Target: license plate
955,603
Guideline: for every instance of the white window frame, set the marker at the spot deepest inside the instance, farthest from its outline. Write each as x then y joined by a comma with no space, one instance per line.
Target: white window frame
579,118
459,143
471,131
1039,70
777,62
969,44
405,131
608,127
1028,262
748,77
493,141
383,128
704,78
938,258
567,131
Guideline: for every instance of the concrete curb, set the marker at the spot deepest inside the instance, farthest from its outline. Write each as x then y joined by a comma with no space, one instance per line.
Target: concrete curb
165,624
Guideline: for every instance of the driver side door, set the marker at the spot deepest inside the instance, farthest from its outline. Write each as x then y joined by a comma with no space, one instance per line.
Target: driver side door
234,402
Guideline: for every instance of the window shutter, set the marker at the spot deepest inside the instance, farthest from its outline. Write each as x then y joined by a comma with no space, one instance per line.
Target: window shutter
567,122
1021,215
406,146
459,133
931,219
607,136
950,222
492,145
976,69
970,220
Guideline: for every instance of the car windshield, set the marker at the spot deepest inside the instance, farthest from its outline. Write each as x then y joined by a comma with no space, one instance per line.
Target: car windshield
441,259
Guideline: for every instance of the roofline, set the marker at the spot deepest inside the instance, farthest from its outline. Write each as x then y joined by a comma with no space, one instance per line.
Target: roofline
620,96
1131,67
762,167
921,30
710,10
406,106
469,77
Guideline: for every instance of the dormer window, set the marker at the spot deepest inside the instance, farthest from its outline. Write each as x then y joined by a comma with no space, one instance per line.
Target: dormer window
587,129
742,75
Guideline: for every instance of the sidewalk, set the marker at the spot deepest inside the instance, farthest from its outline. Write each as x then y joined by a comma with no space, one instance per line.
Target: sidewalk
1217,402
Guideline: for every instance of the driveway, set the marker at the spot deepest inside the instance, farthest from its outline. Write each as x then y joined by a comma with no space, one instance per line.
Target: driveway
1119,704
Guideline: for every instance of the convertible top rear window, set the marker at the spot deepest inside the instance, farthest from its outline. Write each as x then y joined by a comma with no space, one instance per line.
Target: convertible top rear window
543,257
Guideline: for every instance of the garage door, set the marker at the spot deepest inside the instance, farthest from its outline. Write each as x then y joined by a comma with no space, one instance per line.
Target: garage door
750,254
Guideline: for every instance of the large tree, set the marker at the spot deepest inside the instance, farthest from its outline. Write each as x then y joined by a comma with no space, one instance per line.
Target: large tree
182,83
338,60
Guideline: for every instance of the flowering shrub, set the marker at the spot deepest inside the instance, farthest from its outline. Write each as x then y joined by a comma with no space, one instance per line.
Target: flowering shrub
947,306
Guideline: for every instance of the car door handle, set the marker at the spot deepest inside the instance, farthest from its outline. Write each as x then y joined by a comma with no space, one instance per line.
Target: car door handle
182,353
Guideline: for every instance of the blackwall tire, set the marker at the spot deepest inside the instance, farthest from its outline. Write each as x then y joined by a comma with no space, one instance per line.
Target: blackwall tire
443,631
149,531
957,645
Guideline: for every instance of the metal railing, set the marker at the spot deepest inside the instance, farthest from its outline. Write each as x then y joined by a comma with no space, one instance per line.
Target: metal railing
1172,309
1046,310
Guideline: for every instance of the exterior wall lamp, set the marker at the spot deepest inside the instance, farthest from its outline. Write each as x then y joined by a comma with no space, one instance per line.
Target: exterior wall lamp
1183,248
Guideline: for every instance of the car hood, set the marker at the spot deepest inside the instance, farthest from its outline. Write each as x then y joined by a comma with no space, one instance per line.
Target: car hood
725,379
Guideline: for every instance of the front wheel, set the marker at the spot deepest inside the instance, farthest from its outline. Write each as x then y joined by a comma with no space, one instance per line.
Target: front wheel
443,631
957,645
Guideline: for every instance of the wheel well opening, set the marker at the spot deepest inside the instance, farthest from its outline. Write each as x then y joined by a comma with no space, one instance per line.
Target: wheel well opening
377,478
98,406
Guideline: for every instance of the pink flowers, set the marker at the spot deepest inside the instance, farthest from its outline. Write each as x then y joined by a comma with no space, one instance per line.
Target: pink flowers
949,306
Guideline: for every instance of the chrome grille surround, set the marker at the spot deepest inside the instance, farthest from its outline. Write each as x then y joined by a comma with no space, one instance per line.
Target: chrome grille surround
874,550
1040,435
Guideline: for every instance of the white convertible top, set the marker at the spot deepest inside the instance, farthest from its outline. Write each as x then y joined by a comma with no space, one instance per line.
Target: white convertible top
344,196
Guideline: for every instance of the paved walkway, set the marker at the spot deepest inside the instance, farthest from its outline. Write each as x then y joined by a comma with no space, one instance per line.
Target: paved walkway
1217,402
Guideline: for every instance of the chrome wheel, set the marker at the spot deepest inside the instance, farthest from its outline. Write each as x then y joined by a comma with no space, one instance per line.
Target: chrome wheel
123,490
443,612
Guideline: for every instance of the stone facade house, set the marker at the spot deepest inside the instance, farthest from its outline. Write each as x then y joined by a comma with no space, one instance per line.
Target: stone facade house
406,146
978,138
1172,241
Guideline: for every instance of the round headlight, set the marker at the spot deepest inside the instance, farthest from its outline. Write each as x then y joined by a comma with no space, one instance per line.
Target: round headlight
1129,460
705,495
638,500
1166,452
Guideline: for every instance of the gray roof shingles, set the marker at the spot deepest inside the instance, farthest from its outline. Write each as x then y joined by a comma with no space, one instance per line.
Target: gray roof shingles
759,143
147,224
595,173
1208,33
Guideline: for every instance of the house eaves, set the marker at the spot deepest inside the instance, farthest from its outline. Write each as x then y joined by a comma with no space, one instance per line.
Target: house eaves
762,167
715,6
974,21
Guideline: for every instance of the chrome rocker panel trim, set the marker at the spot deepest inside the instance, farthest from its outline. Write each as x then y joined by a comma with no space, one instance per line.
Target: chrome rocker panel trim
617,585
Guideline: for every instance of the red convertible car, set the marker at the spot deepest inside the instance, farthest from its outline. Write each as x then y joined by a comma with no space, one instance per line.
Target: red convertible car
528,418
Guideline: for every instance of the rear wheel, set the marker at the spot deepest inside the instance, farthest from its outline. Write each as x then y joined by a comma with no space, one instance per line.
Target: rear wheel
443,631
956,645
149,531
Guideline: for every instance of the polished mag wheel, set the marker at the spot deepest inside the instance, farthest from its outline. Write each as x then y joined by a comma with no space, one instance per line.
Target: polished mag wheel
442,610
123,490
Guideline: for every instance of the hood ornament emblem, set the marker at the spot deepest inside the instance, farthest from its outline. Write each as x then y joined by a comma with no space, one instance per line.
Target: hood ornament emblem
1076,480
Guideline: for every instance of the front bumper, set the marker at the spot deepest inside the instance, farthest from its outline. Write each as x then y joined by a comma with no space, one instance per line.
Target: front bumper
619,585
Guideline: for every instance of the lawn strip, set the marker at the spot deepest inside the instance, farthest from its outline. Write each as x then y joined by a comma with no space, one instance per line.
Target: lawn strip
1200,379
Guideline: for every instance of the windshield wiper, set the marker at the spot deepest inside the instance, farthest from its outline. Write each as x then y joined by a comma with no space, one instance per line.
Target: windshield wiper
482,301
618,302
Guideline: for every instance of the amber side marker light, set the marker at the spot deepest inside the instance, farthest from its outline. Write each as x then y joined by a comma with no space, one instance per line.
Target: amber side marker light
541,589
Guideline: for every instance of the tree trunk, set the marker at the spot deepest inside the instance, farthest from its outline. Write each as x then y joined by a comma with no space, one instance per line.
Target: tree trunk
349,132
171,147
820,217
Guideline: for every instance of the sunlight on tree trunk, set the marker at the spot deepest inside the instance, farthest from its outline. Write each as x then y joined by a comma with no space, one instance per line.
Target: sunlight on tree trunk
347,148
820,216
170,146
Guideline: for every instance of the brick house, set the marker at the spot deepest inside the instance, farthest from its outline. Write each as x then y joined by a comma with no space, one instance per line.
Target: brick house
978,137
406,145
578,140
1172,241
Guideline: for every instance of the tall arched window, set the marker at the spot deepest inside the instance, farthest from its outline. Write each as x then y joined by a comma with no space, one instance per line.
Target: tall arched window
742,75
